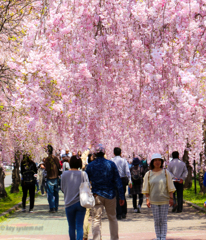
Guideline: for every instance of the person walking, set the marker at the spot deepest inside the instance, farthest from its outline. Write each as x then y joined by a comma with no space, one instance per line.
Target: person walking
144,164
36,180
41,177
179,172
86,157
28,169
129,161
86,225
67,153
79,154
105,179
66,165
52,167
125,176
70,183
158,188
137,174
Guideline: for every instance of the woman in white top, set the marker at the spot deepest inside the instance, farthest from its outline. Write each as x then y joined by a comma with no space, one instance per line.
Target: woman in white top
158,188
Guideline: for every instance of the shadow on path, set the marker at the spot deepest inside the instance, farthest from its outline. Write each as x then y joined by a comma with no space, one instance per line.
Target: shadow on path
42,225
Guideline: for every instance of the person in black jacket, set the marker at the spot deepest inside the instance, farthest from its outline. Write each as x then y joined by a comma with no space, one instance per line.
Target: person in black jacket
28,169
137,174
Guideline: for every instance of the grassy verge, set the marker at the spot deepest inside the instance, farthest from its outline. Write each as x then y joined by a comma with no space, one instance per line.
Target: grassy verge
189,195
11,200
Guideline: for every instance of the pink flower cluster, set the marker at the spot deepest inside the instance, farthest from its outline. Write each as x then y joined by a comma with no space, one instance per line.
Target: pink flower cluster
123,73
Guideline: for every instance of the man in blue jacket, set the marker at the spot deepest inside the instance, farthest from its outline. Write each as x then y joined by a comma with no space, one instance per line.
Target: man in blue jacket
105,179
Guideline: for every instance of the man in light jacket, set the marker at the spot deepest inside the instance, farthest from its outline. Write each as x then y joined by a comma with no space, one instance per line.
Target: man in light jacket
125,176
179,172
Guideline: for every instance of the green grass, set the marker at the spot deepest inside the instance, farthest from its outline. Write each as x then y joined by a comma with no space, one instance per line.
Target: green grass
189,195
11,200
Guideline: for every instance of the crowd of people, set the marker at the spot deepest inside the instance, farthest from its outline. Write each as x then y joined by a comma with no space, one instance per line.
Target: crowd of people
109,180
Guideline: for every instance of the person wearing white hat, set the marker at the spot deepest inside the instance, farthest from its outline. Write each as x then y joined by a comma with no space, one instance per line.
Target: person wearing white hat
158,188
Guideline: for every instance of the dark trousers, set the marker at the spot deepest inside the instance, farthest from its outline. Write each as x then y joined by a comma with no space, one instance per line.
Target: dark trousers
134,200
25,189
122,209
179,191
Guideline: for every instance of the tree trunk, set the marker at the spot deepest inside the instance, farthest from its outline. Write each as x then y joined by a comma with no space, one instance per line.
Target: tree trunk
188,180
3,192
15,174
203,161
201,176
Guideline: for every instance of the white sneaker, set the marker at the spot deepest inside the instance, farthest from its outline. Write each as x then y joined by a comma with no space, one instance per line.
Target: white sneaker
135,210
138,209
23,210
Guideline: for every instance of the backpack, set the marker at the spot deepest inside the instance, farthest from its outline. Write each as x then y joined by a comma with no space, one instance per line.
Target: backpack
28,176
136,175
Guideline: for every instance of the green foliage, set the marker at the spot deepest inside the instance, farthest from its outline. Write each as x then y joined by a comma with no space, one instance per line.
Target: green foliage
198,198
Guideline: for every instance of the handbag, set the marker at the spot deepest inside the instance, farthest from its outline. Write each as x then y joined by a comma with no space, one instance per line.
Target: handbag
85,194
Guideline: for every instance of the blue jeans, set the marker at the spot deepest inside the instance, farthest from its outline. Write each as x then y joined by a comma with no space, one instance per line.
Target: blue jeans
75,217
37,185
53,193
43,188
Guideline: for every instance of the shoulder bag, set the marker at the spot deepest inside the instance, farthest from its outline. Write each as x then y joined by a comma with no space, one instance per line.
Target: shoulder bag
85,194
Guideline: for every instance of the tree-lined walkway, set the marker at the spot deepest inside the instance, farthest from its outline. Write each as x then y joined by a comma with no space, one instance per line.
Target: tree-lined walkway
42,225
